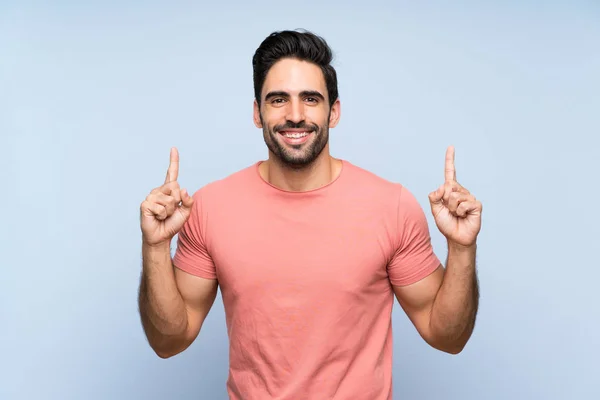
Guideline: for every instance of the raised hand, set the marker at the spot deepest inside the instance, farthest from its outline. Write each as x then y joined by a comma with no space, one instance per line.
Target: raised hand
457,212
166,208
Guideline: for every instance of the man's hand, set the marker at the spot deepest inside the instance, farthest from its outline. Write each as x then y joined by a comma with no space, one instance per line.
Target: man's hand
457,212
166,208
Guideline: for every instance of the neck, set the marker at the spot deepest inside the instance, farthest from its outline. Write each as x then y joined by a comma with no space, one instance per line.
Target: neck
319,173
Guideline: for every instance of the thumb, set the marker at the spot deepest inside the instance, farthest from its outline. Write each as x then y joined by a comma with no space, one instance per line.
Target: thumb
187,202
435,198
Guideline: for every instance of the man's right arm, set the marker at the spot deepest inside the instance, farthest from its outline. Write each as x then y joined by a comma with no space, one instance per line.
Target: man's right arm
173,304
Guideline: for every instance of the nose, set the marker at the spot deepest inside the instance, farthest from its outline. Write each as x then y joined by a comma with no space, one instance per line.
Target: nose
295,111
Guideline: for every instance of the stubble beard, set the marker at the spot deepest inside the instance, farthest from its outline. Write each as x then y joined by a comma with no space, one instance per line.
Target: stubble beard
296,156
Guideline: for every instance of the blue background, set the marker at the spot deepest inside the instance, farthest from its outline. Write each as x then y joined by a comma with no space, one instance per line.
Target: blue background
93,95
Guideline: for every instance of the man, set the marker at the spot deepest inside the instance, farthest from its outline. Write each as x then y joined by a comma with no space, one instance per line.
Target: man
307,249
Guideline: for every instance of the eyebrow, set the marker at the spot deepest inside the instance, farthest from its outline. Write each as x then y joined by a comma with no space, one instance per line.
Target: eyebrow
304,93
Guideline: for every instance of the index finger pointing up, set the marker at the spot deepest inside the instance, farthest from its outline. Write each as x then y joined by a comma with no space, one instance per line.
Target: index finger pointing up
173,170
450,170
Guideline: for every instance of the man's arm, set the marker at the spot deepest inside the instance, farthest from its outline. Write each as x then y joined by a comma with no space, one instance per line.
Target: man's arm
172,303
443,306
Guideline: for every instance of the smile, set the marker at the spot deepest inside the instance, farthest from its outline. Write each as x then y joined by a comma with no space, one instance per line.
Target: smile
295,137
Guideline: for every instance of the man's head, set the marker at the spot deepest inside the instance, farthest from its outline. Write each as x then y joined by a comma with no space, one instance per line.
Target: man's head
296,95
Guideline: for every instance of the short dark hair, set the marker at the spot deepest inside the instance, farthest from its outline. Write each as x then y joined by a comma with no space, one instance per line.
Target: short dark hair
300,44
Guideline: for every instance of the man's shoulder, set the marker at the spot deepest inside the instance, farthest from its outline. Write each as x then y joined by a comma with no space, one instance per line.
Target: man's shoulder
368,179
380,186
380,190
229,184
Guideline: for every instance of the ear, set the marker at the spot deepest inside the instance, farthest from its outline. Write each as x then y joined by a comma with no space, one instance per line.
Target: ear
335,113
257,121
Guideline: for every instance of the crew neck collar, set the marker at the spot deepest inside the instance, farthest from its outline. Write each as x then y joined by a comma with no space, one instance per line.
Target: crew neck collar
270,186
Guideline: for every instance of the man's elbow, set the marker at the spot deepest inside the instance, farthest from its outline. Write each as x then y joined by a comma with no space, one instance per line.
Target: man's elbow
449,340
169,347
165,353
453,349
452,346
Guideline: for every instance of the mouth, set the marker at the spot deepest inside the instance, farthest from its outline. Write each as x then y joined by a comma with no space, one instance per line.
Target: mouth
295,137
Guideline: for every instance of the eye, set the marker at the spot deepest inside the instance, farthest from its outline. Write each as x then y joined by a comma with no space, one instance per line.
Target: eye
311,99
277,100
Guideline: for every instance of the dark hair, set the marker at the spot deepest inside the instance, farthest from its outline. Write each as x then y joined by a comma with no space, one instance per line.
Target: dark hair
302,45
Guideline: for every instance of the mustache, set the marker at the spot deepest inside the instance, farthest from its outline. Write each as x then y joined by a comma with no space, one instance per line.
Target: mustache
294,125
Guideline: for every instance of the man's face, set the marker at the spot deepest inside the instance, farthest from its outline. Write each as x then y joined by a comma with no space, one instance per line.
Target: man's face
294,114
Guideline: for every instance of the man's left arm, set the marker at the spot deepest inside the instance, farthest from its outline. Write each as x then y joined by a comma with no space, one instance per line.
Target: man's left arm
443,306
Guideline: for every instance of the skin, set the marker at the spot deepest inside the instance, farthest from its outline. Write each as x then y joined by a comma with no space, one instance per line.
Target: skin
300,98
443,306
174,304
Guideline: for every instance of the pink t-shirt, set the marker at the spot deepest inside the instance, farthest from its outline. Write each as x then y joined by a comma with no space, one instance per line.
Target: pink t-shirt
306,279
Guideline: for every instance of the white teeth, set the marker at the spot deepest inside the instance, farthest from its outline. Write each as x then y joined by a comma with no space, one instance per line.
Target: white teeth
296,135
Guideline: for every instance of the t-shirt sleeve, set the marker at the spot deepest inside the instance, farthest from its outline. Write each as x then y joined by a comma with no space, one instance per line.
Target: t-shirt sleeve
191,254
413,258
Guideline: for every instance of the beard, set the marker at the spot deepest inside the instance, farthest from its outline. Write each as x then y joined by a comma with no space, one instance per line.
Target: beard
301,155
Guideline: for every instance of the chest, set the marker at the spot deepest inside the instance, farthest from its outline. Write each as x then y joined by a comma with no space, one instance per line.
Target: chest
340,252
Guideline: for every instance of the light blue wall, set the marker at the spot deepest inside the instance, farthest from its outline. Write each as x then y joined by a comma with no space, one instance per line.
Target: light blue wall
93,94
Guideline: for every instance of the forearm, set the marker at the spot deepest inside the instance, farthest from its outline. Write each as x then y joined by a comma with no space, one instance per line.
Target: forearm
455,306
162,308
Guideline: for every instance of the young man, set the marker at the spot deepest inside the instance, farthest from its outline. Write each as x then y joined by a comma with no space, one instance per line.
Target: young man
308,250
